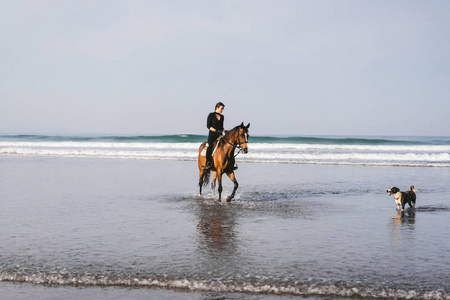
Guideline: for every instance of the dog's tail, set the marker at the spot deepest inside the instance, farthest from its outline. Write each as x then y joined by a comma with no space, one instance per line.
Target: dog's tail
413,189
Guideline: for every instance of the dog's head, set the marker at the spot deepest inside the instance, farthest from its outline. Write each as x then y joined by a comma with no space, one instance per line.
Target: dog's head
393,190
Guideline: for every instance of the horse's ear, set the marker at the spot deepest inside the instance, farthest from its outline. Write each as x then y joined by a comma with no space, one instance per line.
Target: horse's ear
248,126
242,124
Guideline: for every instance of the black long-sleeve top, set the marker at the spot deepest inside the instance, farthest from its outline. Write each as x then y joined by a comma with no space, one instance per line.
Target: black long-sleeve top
213,122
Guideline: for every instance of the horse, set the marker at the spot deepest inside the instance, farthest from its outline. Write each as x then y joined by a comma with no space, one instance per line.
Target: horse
223,159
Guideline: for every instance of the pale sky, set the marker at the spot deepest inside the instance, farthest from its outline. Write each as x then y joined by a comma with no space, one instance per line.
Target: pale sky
287,67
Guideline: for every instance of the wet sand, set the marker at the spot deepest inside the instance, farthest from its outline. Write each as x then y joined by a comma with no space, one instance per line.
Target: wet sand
136,229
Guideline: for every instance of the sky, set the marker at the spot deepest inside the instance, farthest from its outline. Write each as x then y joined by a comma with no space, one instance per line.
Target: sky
319,67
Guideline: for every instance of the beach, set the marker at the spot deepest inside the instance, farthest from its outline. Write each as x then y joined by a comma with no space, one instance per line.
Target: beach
316,108
100,228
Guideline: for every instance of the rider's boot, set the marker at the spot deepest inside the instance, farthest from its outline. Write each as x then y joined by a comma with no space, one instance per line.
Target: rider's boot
208,164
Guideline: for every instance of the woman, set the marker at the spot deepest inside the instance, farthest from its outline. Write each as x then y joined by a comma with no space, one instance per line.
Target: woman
215,125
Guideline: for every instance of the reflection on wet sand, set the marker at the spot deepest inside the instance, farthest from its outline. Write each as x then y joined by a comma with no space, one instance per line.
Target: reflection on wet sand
403,220
216,228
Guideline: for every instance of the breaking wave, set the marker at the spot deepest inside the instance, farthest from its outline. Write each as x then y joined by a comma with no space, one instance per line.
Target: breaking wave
431,152
300,289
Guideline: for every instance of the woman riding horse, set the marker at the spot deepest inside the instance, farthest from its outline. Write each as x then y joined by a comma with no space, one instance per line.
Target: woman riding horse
223,161
214,123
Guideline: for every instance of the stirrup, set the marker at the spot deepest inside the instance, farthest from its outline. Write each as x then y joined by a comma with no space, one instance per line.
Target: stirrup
235,167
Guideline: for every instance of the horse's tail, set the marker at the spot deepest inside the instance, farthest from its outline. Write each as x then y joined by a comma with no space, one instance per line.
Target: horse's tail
205,177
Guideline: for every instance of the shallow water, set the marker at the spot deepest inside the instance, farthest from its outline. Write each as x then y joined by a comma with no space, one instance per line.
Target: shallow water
134,227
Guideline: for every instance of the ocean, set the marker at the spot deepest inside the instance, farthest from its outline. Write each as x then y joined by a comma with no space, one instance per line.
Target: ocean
120,218
379,151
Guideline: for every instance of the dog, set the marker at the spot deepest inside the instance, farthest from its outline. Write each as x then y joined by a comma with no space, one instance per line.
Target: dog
401,198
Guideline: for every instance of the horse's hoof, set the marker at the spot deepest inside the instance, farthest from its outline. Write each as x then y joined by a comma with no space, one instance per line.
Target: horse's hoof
229,199
199,195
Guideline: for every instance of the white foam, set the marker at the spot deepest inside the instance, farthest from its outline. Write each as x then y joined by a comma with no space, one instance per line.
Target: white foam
374,148
255,146
100,153
101,145
299,289
352,156
259,152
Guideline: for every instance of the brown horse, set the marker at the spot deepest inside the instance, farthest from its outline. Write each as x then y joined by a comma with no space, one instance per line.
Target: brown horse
224,159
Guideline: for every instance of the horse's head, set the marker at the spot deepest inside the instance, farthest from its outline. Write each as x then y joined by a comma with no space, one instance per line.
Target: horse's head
242,138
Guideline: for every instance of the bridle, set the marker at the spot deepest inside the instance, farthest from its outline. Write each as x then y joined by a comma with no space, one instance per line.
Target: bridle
239,143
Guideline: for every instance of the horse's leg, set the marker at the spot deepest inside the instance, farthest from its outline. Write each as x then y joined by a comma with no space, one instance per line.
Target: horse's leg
236,185
200,183
213,183
219,178
201,163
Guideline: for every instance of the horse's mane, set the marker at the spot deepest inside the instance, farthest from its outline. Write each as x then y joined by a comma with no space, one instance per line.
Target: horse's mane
230,133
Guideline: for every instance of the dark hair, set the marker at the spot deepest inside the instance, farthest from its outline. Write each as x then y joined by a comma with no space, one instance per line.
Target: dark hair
219,104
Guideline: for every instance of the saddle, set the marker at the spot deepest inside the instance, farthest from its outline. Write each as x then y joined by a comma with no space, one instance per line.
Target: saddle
216,144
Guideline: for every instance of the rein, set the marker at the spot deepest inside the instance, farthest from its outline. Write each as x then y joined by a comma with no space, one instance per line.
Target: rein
238,145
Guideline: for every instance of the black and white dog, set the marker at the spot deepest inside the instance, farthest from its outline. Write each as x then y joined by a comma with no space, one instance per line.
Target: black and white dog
401,198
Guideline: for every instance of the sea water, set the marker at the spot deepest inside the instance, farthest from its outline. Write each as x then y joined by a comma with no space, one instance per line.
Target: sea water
119,217
381,151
